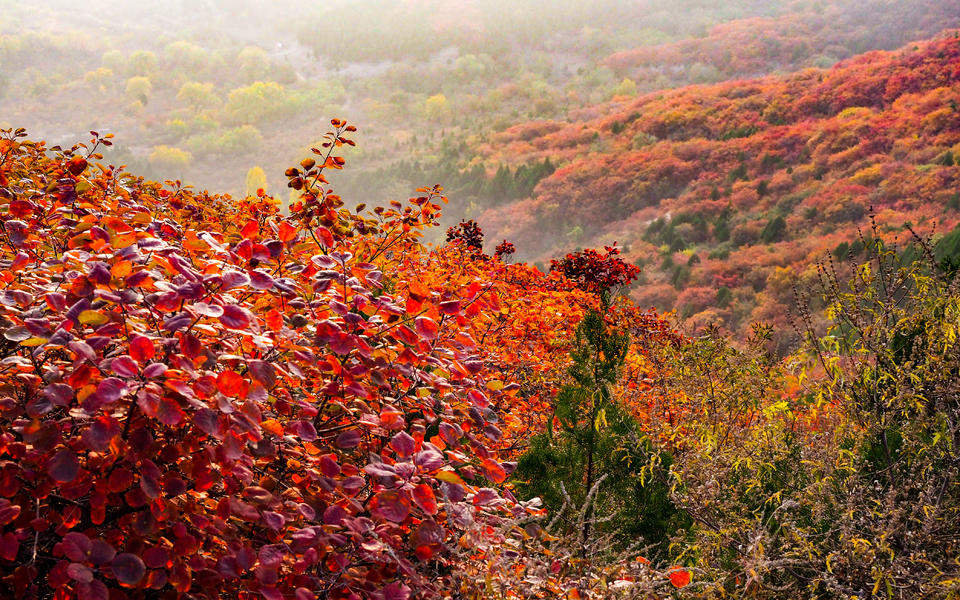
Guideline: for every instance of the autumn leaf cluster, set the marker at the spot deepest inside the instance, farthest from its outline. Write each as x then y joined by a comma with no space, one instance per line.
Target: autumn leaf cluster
202,396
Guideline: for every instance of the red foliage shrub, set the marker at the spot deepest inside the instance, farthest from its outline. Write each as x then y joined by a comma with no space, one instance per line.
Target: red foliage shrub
504,249
596,272
467,233
203,398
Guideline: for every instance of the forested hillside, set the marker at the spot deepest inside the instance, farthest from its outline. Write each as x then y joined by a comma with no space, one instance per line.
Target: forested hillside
223,94
613,300
729,195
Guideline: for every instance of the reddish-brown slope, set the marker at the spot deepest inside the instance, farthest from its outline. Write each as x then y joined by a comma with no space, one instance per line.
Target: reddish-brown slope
722,165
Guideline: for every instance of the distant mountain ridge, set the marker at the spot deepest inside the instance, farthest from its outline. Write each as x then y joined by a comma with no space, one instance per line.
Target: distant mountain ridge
729,194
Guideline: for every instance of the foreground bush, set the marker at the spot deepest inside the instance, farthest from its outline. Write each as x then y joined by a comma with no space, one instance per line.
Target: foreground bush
204,398
836,476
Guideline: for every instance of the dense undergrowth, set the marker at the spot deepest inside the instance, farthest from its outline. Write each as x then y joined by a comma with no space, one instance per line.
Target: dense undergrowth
202,397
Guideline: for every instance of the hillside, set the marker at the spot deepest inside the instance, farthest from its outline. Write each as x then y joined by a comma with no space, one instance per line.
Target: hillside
729,194
670,309
209,90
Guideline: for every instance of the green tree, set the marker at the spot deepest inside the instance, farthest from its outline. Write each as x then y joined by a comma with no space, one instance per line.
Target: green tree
142,63
139,88
169,158
198,95
186,56
114,60
256,180
254,64
255,102
98,79
627,87
436,107
593,467
774,231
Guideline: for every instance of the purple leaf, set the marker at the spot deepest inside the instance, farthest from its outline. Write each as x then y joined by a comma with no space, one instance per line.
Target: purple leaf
64,466
235,317
124,366
403,444
348,439
260,280
110,389
234,279
128,568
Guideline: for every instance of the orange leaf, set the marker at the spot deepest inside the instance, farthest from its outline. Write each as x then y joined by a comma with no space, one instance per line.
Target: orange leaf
493,470
286,232
274,320
272,426
326,238
231,384
425,499
250,230
679,577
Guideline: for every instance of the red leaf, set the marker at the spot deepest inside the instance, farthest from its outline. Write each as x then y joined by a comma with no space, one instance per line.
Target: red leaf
234,317
493,470
424,497
128,569
8,512
250,230
77,165
427,328
9,546
141,348
232,384
64,466
679,577
326,238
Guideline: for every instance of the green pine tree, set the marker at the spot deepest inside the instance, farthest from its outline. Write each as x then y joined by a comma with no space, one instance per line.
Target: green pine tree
596,440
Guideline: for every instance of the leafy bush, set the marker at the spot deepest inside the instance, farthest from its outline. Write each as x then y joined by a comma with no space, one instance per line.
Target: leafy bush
838,476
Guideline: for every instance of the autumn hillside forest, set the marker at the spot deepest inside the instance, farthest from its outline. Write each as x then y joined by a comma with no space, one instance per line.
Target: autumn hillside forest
479,300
